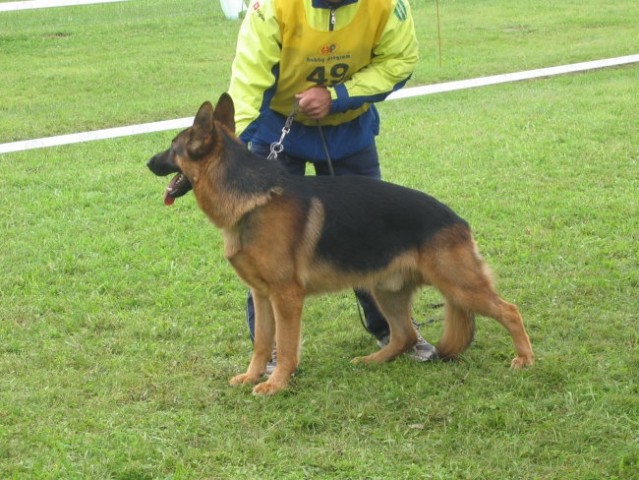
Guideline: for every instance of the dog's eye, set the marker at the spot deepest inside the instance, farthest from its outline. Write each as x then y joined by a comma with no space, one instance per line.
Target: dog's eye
178,151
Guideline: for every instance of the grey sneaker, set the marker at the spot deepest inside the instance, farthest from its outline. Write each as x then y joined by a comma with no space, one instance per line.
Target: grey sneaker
272,363
421,352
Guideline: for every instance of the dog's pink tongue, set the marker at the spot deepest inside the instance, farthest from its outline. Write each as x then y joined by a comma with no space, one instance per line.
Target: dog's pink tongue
168,201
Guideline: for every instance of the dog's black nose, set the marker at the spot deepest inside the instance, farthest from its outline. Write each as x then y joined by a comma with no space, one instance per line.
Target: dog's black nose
161,164
151,164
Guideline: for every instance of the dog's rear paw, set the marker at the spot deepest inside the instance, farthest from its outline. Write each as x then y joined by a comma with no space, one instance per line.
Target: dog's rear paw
243,379
521,362
358,360
377,357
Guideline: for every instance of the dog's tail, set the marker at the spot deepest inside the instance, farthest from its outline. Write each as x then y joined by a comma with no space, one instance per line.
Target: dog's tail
459,330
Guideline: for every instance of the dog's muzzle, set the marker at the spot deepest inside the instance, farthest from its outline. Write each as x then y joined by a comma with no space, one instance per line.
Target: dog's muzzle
161,165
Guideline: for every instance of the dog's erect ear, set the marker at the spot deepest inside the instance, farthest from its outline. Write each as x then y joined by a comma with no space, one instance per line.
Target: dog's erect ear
202,131
203,121
225,112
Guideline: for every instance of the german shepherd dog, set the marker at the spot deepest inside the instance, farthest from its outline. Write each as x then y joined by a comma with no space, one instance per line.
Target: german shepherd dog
290,236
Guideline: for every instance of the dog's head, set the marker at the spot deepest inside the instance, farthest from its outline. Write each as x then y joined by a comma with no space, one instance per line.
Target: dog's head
191,146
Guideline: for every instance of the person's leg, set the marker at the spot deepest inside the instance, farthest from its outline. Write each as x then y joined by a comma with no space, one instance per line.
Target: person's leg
364,163
374,321
250,315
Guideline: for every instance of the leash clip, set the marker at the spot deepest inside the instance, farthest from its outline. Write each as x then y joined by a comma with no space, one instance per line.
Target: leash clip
277,147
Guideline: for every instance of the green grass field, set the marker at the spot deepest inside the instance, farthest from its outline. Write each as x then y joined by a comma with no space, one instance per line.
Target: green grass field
121,323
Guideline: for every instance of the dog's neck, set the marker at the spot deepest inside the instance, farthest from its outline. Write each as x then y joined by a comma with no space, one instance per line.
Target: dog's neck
235,183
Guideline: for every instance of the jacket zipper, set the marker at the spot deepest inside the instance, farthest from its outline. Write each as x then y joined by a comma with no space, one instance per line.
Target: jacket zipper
331,25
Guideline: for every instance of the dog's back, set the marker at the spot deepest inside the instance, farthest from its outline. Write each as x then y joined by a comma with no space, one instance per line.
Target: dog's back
368,222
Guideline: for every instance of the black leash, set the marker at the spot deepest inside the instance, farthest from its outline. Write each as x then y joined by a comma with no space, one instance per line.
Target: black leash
326,152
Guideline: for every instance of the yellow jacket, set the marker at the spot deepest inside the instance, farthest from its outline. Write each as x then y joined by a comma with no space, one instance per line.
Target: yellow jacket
361,50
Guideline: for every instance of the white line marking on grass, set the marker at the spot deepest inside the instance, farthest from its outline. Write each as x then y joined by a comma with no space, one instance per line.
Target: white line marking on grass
513,77
95,135
405,93
33,4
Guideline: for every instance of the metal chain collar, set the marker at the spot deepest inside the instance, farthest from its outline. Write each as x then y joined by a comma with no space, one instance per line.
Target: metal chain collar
277,147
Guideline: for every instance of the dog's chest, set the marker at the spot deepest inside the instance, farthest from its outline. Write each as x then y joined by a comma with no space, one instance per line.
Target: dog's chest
232,243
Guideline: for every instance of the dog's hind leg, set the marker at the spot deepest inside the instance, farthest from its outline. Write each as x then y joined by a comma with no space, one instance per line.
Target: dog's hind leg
287,306
490,304
396,307
463,278
264,337
508,315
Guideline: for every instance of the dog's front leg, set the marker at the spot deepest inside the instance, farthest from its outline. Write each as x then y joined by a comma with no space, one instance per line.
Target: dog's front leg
287,307
264,336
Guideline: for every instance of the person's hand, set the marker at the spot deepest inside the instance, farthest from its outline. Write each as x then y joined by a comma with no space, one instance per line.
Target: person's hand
314,102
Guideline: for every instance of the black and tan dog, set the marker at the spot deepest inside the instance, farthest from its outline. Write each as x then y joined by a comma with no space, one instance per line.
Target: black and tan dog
289,236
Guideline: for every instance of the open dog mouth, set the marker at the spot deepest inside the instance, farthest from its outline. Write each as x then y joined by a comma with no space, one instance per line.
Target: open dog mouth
179,186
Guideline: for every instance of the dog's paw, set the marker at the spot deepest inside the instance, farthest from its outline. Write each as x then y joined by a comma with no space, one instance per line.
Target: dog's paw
362,360
243,379
521,362
373,358
267,388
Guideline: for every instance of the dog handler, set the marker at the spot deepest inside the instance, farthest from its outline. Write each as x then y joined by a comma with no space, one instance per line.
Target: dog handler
325,62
